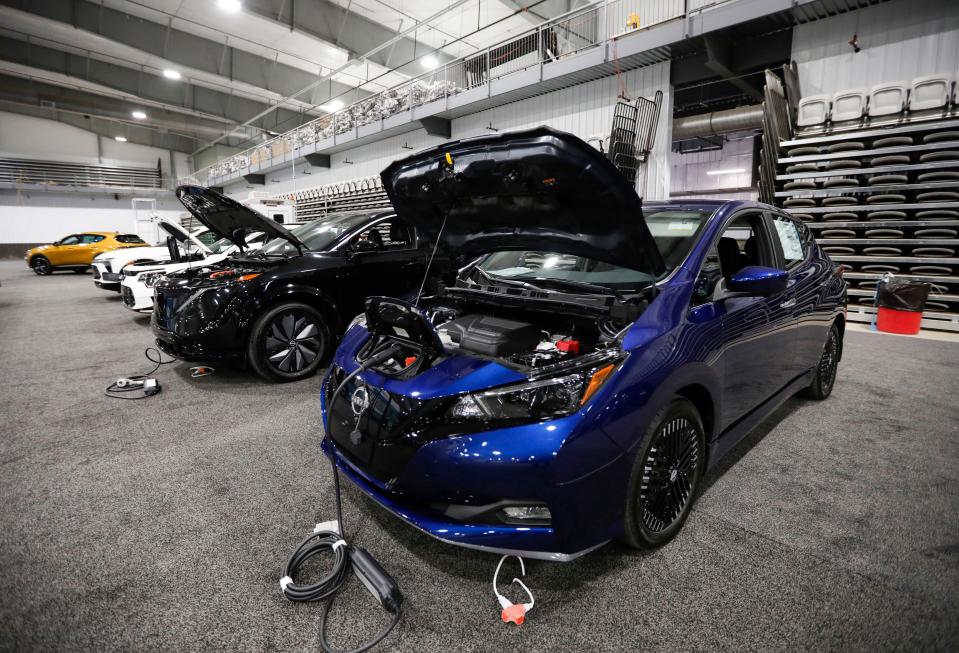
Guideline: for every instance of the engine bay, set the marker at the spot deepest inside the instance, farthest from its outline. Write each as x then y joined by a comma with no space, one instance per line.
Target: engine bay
525,339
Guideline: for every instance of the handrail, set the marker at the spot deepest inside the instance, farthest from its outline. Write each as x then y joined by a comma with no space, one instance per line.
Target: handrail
554,39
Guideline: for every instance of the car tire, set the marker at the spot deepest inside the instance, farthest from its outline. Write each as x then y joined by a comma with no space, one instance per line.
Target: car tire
666,475
41,265
286,329
825,379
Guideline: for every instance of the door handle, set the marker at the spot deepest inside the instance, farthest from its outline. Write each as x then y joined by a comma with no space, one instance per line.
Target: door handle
789,303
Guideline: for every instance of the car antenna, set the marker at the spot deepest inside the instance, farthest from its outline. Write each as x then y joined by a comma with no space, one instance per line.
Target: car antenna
429,264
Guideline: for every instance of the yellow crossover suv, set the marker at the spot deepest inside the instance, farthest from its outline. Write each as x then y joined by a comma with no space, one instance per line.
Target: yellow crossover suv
76,251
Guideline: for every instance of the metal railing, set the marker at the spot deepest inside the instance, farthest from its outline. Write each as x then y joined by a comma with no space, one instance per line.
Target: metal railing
57,175
556,39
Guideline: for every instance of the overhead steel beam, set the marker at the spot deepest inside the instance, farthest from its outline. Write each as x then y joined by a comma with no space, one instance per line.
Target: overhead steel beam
718,57
180,48
103,127
379,48
33,93
155,88
335,24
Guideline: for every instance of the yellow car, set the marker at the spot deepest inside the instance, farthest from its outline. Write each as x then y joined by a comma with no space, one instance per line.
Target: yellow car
76,251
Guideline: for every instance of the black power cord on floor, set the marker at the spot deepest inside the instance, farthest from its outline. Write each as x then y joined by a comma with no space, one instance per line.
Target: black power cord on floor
379,583
139,382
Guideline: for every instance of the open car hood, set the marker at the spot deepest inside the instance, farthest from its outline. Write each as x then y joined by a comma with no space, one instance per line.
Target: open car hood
539,189
229,218
180,234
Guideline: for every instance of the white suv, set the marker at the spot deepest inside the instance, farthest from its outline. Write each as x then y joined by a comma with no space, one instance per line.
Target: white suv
136,286
107,267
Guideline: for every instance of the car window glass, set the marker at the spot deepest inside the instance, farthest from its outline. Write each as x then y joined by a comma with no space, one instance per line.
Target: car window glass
86,239
528,265
790,239
674,231
392,234
130,239
318,234
70,240
738,246
206,237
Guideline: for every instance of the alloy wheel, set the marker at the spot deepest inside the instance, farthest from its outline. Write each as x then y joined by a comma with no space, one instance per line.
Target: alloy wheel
292,342
829,363
41,266
669,474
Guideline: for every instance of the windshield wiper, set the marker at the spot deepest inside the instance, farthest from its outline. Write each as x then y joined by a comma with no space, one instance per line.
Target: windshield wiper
581,285
506,282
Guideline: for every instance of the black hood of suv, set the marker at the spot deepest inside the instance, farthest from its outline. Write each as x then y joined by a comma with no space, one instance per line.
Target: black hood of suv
539,189
229,218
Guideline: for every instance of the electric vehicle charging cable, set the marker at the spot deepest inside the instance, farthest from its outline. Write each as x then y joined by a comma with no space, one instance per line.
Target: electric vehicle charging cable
144,383
379,583
515,612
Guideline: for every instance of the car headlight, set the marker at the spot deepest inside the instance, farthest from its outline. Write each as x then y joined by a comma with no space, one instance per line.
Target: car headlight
150,279
551,397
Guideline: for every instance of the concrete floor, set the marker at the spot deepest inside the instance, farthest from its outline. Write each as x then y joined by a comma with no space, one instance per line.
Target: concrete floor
164,524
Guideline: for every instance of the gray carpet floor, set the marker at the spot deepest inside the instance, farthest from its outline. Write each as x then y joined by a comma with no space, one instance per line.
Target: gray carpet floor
164,524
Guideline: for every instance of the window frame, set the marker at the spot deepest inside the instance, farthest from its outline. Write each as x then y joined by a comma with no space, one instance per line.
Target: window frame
804,238
768,248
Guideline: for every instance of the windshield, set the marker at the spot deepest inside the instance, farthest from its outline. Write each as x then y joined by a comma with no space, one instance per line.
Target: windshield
221,246
529,266
674,232
319,234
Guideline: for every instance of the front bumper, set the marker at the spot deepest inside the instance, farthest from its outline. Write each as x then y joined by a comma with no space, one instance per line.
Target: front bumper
432,482
136,296
105,279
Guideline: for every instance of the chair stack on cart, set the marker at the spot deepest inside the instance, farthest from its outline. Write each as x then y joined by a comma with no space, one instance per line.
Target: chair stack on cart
363,194
875,175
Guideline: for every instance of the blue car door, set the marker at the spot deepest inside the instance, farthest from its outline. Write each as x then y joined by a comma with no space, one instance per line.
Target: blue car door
757,355
793,241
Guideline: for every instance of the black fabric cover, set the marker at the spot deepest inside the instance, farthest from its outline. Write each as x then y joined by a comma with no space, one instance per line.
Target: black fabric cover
903,294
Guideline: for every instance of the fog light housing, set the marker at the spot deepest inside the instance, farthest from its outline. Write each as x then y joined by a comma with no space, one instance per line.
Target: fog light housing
525,515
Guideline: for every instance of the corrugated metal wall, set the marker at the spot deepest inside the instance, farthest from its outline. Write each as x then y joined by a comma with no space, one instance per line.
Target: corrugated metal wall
689,171
585,110
900,40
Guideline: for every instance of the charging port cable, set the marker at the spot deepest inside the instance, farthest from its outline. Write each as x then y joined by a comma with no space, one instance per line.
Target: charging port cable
515,612
331,537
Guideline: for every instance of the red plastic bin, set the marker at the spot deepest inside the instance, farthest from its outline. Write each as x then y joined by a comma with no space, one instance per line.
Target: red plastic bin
892,321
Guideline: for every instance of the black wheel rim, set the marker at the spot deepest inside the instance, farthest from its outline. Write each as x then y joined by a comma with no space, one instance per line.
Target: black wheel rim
292,342
828,363
41,266
670,474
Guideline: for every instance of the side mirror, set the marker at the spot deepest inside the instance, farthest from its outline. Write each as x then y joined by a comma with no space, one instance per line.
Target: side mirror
758,281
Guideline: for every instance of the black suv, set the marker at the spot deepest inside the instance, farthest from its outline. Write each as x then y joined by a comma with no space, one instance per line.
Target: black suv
280,308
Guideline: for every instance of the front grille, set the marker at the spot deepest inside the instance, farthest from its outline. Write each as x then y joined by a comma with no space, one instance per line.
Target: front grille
387,428
111,276
127,295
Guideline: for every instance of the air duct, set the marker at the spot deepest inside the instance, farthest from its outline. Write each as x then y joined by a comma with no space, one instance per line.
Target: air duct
718,122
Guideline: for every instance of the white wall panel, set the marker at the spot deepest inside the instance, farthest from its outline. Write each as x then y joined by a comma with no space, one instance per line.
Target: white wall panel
585,110
899,40
45,217
29,137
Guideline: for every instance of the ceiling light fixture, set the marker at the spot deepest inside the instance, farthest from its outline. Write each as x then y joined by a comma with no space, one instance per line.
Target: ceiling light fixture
333,105
430,62
120,139
728,171
231,6
139,115
169,73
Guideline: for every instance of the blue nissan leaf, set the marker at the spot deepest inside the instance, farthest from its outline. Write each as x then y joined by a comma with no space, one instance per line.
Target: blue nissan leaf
593,357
